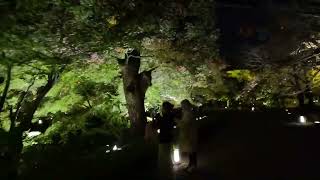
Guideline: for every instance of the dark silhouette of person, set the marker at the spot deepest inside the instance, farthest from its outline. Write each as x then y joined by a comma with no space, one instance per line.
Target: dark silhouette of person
165,125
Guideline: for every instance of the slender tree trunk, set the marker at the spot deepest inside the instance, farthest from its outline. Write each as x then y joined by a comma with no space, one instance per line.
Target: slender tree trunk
24,114
297,85
282,102
28,109
6,88
135,85
300,97
309,96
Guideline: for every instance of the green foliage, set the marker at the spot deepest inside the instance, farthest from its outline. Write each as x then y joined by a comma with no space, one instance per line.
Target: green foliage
241,74
84,36
168,85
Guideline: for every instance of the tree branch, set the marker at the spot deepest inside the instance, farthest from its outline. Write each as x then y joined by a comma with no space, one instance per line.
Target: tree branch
22,98
6,88
145,79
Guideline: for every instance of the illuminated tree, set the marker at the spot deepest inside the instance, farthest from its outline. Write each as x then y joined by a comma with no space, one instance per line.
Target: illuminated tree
135,86
291,74
175,35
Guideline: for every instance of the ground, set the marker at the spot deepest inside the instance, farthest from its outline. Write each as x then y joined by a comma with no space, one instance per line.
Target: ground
258,147
232,145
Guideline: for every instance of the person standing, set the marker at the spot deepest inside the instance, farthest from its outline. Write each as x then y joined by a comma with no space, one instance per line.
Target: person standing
165,125
188,136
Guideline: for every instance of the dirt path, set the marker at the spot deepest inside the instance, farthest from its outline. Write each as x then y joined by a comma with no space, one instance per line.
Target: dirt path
259,150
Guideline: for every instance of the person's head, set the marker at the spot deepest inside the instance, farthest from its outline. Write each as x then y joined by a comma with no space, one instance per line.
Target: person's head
166,107
186,105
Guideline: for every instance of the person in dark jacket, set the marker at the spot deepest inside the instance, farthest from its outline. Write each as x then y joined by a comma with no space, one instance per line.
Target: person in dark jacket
165,125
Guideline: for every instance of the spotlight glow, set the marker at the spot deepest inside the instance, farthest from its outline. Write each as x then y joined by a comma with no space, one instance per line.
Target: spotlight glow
302,120
176,155
317,122
115,148
252,109
33,134
158,131
149,119
40,121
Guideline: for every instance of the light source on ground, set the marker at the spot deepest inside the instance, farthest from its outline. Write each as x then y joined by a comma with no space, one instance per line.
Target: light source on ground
158,131
174,127
317,122
302,120
115,148
40,121
252,109
199,118
149,119
33,134
176,155
107,151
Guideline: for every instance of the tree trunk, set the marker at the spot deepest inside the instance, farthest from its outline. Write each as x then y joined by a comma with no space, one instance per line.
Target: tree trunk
24,114
297,86
309,96
301,99
15,149
6,88
135,85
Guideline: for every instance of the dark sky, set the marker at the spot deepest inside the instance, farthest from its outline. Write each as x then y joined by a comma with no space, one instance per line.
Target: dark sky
251,23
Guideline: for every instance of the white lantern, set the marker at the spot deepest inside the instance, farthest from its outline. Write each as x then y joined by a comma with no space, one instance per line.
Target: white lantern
302,120
176,155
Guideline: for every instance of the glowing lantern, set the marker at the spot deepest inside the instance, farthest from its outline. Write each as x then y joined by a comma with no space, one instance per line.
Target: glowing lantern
115,148
176,155
302,120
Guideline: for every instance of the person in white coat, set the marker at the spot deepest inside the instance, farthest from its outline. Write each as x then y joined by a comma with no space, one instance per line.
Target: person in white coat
188,133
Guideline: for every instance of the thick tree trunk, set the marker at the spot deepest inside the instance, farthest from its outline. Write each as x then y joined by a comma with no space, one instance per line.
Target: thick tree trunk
15,149
135,85
6,88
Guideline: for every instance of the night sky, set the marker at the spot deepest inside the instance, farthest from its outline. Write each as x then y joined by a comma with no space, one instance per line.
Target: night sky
252,23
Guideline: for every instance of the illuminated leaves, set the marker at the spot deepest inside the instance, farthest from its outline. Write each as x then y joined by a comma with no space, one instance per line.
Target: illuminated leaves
112,21
241,74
